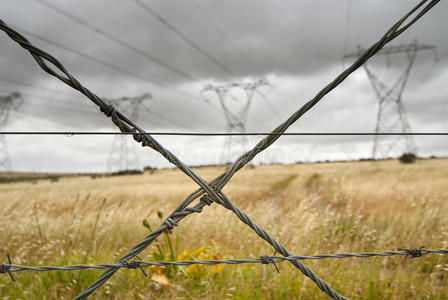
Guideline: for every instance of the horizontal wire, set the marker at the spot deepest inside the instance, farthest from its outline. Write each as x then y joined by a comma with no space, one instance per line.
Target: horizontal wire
418,252
212,189
219,133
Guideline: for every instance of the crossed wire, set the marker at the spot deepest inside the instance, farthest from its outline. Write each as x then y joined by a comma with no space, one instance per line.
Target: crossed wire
209,192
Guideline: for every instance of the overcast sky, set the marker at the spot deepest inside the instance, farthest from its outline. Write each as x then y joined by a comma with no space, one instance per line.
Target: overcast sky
172,49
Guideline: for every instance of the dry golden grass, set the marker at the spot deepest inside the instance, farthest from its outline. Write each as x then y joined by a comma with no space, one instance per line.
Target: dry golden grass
311,209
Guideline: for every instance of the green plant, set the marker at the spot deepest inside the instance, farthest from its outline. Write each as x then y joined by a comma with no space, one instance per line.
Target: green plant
165,250
149,169
127,172
168,250
408,158
312,184
284,183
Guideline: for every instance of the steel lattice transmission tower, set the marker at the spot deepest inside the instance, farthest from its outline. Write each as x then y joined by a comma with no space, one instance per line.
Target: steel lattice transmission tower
123,154
235,110
9,102
391,116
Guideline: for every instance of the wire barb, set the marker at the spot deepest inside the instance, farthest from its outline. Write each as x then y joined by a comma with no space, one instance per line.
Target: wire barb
207,200
108,110
7,268
134,264
268,259
214,188
414,252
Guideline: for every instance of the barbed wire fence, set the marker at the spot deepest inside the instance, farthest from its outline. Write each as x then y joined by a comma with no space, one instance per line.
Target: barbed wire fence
211,192
266,259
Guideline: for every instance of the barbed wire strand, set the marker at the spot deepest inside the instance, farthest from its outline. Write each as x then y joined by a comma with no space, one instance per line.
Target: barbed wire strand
220,133
266,259
219,182
212,194
216,185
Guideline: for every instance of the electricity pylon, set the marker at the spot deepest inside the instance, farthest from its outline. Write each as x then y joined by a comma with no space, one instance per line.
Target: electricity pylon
391,116
235,111
123,153
9,102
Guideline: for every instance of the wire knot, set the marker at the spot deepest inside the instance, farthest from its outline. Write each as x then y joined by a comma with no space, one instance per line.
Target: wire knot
146,142
137,135
134,264
108,109
267,260
193,209
170,223
415,252
207,200
7,268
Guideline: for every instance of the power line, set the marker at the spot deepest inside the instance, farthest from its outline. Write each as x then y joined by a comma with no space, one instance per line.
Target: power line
55,104
102,62
222,32
391,111
17,82
211,191
36,119
66,106
236,117
36,116
271,106
73,107
123,44
223,133
92,59
8,103
166,119
234,46
116,40
347,28
165,22
123,153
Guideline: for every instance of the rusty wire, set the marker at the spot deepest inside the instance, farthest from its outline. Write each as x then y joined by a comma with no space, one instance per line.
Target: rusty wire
210,192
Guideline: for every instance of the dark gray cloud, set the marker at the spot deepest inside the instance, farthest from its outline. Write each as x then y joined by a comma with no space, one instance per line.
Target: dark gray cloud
297,45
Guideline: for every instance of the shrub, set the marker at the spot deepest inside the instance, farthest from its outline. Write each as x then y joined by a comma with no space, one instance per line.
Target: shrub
408,158
127,172
149,169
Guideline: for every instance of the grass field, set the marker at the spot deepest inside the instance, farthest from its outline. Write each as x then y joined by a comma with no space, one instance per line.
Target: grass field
310,208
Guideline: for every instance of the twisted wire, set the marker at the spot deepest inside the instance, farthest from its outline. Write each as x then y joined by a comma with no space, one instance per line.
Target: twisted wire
213,189
265,259
126,125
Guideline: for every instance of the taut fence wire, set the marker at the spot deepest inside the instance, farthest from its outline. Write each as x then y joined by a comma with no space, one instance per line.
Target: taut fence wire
266,259
217,133
209,192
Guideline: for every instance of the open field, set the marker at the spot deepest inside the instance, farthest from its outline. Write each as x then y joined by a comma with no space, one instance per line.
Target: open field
310,208
6,177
